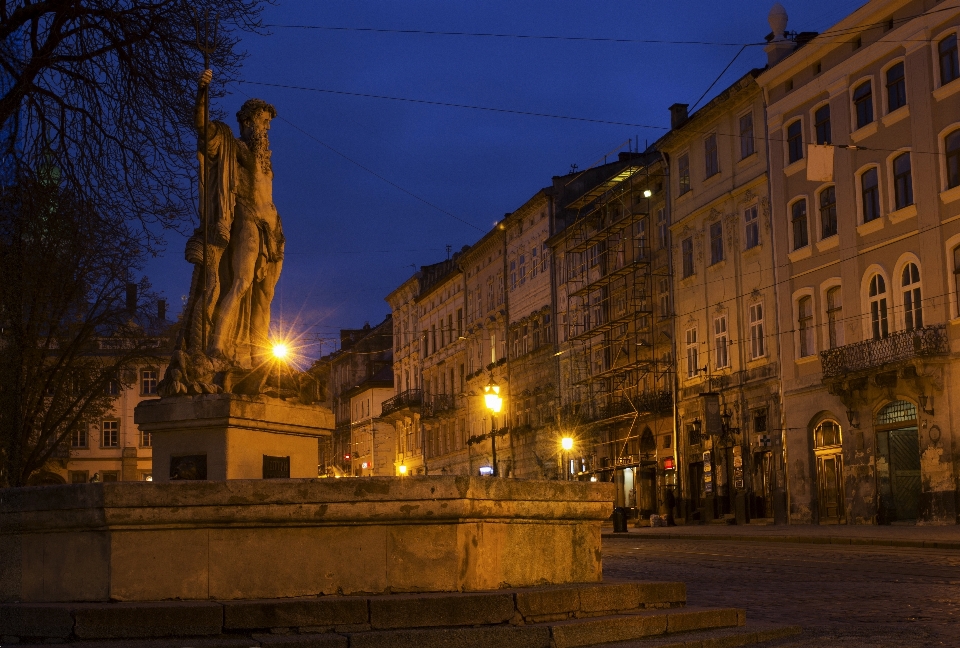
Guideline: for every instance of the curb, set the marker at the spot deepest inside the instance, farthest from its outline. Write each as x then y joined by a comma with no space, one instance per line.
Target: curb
832,540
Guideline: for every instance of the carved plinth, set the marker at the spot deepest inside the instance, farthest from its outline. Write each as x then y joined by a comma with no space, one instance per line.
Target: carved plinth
225,436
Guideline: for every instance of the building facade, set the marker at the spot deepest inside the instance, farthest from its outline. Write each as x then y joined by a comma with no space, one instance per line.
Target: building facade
725,301
866,231
364,360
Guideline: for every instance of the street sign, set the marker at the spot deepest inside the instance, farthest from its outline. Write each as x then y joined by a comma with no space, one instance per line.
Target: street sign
764,440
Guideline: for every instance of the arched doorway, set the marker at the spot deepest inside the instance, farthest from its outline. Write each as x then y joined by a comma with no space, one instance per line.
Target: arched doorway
828,448
898,463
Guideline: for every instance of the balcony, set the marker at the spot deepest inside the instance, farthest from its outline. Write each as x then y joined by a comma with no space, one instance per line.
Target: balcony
409,401
870,355
436,404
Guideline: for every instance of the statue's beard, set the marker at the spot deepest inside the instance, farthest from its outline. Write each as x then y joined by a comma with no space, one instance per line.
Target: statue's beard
260,146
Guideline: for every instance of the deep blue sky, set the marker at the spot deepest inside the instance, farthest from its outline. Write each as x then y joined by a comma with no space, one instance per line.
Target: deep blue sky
351,237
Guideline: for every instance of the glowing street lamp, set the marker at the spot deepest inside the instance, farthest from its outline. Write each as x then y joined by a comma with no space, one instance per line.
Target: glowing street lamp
567,444
402,470
280,351
491,397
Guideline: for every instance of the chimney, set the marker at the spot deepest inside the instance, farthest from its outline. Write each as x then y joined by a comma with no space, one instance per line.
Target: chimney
162,310
678,115
779,46
131,298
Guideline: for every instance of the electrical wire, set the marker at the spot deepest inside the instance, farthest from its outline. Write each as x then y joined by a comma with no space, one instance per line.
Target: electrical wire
374,173
600,39
685,129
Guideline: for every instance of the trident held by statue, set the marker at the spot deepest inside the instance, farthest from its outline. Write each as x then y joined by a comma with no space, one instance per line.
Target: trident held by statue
206,44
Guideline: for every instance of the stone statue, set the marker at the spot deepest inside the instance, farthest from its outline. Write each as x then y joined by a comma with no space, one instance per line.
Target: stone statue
244,255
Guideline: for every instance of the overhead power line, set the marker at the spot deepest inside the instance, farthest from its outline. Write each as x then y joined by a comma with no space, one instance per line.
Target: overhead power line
856,29
448,104
428,32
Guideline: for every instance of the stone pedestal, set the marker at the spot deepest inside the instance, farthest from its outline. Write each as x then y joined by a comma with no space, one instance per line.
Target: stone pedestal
278,538
225,436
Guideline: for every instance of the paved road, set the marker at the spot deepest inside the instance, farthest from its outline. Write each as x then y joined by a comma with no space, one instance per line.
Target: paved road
846,596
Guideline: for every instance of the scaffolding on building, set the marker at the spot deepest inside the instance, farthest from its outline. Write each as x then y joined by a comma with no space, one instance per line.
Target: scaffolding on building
618,379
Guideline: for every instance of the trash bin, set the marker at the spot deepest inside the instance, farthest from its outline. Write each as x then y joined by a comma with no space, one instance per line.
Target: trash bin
619,519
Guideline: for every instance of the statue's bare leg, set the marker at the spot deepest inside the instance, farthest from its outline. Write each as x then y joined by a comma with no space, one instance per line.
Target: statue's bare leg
260,311
246,249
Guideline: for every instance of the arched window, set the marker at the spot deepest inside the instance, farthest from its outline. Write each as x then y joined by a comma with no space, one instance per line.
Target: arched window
896,412
878,307
828,212
870,194
805,326
863,102
912,309
952,150
902,181
949,65
834,317
827,434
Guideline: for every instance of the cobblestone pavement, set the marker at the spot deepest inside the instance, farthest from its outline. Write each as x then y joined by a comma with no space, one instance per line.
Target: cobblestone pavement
846,596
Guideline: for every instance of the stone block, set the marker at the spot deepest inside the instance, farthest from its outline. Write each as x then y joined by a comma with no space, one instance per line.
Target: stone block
588,632
72,567
422,558
689,619
48,621
609,598
142,620
295,562
325,612
501,637
322,640
440,610
661,593
547,601
149,552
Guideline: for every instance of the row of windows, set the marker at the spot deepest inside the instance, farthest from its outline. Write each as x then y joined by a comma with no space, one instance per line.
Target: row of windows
751,230
878,304
109,436
721,341
440,336
537,257
868,183
711,153
862,98
149,378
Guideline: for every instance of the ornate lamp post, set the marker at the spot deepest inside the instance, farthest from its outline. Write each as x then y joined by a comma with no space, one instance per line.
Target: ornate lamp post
491,397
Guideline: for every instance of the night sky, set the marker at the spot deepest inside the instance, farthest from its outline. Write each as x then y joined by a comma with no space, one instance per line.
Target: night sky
352,237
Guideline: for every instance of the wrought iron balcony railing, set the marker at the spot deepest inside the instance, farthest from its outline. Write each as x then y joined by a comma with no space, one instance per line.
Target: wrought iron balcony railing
412,398
872,354
436,404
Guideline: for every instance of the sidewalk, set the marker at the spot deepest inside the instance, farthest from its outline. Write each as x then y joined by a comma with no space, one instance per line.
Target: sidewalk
929,537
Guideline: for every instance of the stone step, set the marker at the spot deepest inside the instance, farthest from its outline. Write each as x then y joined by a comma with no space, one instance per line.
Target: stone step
648,623
342,614
693,628
752,634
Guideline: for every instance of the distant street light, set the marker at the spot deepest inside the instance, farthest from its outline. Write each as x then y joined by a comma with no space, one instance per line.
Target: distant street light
491,397
402,470
567,444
